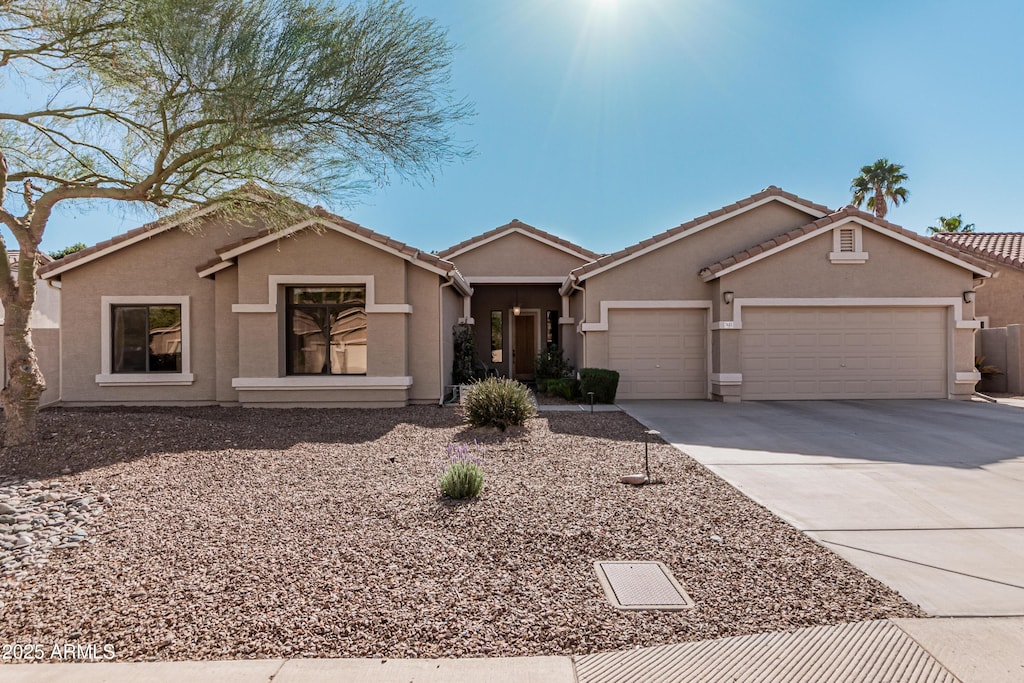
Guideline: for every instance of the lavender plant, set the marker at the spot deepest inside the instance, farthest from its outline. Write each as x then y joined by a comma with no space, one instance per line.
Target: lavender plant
463,474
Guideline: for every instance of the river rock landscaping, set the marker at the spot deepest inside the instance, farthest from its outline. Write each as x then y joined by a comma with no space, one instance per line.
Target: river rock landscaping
238,533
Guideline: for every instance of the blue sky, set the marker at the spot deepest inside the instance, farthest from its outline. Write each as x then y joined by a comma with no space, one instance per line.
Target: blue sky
606,122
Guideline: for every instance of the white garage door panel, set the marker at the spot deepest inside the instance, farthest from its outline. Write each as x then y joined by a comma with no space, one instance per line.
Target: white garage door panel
826,353
659,353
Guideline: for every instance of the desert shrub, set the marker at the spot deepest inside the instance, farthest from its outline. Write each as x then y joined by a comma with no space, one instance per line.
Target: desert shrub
496,402
551,363
566,388
604,384
463,475
542,385
464,365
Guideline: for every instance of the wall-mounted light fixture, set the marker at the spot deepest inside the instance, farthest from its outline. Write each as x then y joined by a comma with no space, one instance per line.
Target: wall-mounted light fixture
516,310
969,296
727,297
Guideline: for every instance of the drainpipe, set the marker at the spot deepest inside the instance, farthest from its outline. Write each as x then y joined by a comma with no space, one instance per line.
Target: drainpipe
440,337
579,326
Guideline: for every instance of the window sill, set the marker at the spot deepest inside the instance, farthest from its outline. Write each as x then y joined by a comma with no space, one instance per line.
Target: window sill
170,379
848,257
307,382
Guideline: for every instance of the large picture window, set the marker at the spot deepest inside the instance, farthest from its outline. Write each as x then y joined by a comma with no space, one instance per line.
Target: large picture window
326,330
146,338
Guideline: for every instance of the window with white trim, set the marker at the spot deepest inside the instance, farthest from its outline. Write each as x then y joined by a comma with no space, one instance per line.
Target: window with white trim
326,330
848,245
144,340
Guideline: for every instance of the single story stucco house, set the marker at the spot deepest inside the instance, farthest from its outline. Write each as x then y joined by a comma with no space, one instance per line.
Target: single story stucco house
773,297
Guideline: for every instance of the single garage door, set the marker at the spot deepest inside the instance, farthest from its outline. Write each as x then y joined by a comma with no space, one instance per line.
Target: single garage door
830,353
659,353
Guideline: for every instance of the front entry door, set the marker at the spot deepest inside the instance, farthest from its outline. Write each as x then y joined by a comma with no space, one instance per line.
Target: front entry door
524,349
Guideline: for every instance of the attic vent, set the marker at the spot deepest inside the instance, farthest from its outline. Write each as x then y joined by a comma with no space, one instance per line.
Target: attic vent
847,240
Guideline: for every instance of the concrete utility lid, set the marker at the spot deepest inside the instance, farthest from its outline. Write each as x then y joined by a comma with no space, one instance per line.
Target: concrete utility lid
641,585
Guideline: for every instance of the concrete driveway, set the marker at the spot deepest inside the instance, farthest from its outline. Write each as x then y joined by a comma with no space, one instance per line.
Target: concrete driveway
926,496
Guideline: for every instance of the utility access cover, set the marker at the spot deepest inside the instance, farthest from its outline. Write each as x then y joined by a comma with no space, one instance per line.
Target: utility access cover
641,585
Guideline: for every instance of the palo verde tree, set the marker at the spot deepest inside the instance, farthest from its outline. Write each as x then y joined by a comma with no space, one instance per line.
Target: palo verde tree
951,224
877,185
173,102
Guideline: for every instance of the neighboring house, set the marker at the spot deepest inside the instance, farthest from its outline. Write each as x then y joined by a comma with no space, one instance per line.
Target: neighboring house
772,297
44,325
999,303
775,297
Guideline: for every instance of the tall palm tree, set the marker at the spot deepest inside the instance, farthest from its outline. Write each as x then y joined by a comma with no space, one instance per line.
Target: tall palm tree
952,224
878,184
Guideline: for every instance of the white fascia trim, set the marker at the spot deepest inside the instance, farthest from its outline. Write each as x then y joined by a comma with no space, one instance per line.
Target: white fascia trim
703,226
968,377
606,306
107,377
292,229
841,258
276,281
318,382
555,245
727,378
216,268
954,302
515,279
117,246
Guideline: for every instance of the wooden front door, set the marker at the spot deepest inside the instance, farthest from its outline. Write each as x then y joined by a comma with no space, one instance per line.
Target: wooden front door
524,352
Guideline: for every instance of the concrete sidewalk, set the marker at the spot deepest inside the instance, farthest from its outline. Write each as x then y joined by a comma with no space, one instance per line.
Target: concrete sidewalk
988,650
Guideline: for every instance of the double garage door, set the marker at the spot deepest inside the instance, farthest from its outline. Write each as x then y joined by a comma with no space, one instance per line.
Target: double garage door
786,353
831,353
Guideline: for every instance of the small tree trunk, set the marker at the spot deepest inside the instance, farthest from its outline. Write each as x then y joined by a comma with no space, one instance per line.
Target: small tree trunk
25,381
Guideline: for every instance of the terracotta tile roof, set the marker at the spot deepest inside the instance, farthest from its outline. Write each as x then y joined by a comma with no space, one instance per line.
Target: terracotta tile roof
323,213
515,223
1002,247
770,191
161,224
709,272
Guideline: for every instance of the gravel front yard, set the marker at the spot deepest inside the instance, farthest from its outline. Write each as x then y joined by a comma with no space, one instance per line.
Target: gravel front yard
235,533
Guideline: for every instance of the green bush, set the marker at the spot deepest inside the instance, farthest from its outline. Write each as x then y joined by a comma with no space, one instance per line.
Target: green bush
464,364
542,385
563,388
500,403
463,475
551,363
604,384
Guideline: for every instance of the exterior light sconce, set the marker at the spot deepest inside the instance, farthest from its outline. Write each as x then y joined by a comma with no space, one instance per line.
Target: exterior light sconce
969,296
727,297
516,310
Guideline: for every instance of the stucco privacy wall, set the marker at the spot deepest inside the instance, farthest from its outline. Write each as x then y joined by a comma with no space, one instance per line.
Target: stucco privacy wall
893,271
515,254
162,265
670,272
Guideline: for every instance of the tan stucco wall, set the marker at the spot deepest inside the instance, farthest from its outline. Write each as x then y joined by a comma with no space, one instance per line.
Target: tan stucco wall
163,265
1001,298
671,271
226,294
515,254
261,338
893,269
424,336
